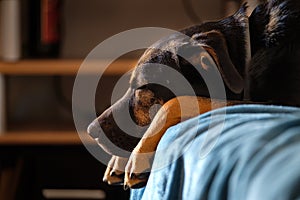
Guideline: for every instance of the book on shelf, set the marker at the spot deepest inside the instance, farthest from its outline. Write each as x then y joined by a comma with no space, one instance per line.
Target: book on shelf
29,29
10,32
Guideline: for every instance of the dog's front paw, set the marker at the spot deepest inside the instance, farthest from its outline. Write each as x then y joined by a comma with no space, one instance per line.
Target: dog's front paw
114,174
138,169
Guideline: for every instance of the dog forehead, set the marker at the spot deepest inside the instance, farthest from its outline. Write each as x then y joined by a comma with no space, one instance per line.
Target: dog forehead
157,65
148,73
161,54
164,49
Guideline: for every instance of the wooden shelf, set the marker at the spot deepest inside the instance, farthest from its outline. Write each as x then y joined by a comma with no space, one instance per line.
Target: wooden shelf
43,138
55,67
65,67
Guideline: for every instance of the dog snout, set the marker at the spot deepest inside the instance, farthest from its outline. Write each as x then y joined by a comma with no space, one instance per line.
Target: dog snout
100,124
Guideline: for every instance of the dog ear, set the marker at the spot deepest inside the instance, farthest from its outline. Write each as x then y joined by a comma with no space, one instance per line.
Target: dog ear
215,45
229,73
228,42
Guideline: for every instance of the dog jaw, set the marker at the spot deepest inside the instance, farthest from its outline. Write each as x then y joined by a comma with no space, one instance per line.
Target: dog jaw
107,129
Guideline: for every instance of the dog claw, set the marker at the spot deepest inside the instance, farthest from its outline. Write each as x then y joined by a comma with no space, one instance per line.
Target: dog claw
133,180
104,179
131,175
143,176
114,180
112,173
125,187
113,177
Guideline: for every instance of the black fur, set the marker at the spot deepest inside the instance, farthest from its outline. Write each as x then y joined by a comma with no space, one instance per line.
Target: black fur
275,66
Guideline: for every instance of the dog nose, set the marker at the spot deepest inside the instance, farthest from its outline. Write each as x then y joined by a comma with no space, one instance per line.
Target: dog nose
94,129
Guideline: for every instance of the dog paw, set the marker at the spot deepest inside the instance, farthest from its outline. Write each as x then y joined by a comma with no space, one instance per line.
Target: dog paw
138,170
113,177
114,174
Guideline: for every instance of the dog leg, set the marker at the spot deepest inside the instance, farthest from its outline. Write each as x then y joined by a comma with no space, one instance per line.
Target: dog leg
114,173
174,111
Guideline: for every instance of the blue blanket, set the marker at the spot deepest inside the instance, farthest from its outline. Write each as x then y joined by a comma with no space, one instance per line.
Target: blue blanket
241,152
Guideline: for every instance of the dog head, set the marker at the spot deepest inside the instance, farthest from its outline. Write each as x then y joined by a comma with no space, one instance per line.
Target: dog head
221,43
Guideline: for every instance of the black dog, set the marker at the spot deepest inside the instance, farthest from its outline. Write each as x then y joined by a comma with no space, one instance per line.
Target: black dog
271,76
224,41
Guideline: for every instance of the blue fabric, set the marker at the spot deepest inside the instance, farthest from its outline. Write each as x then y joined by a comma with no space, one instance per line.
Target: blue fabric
255,156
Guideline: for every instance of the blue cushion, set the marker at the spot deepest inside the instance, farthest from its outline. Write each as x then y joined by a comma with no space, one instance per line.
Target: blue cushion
238,152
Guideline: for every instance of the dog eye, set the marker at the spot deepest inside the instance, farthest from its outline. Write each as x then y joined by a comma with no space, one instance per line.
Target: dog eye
152,100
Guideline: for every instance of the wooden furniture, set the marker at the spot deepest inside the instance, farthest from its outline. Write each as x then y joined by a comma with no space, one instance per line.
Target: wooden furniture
60,67
31,138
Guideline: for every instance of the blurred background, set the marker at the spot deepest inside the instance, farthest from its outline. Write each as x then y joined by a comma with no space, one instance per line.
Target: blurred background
42,44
